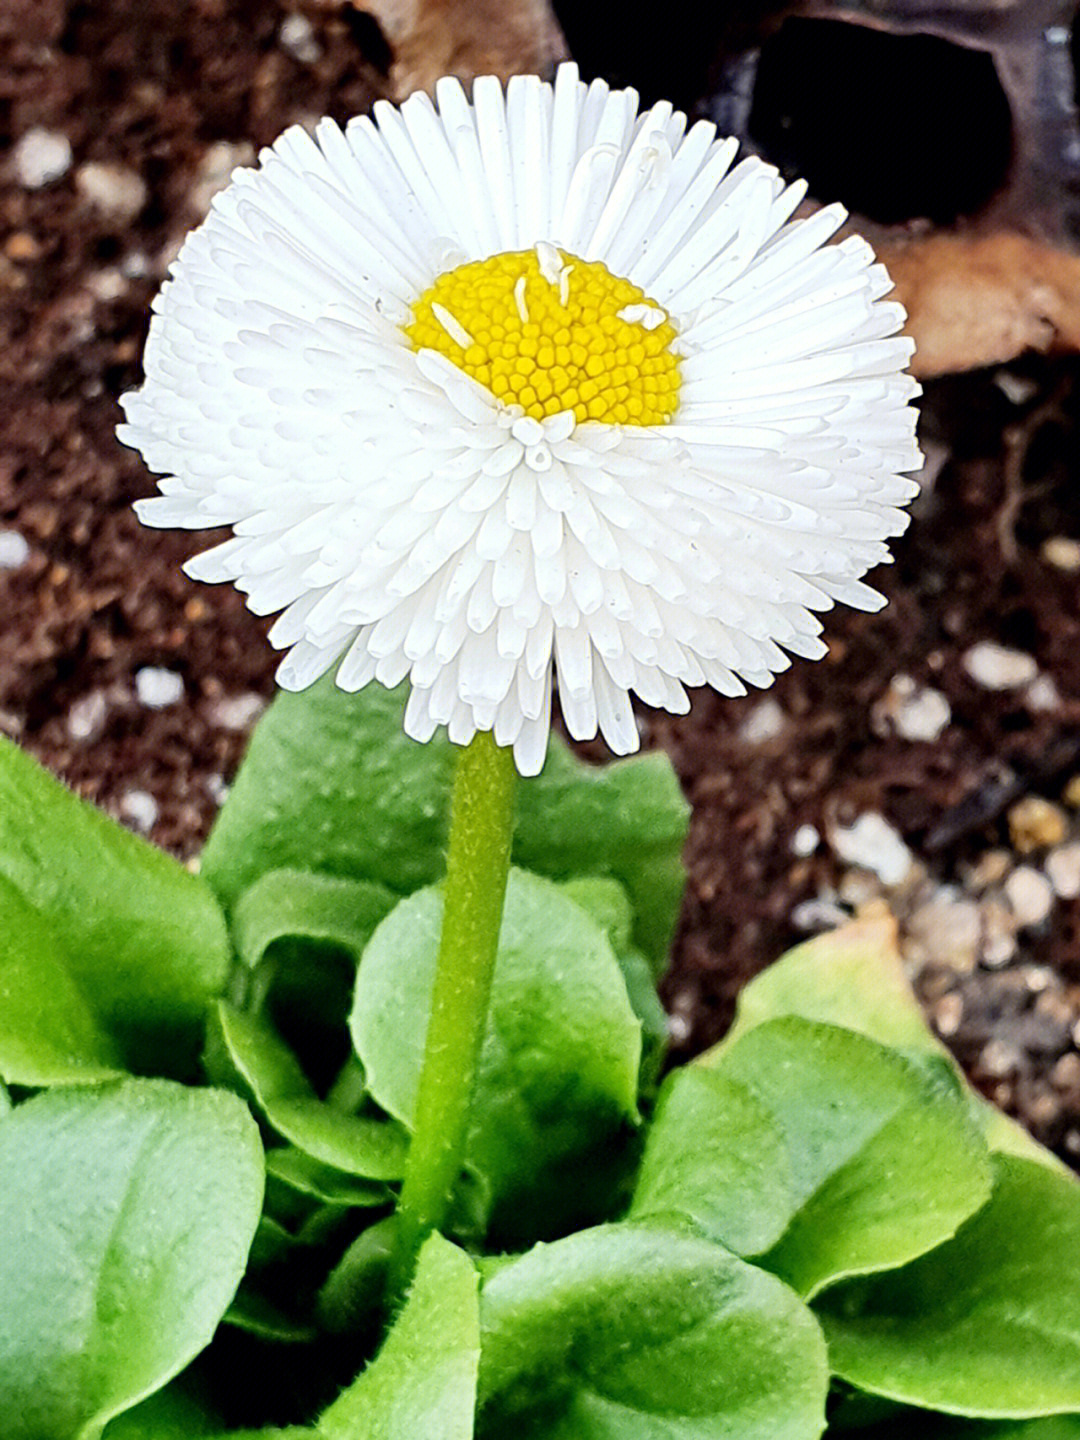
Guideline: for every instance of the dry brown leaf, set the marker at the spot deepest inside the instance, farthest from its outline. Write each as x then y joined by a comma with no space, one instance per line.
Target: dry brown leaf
976,300
466,38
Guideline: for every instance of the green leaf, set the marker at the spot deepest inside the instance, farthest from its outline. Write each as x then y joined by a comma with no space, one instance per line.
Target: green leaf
422,1383
321,1182
332,783
265,1070
300,905
987,1324
609,905
143,938
885,1163
127,1212
171,1414
351,1298
908,1423
640,1330
48,1032
628,820
715,1154
558,1071
854,977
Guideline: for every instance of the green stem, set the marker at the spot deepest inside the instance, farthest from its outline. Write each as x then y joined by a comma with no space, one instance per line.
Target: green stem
478,862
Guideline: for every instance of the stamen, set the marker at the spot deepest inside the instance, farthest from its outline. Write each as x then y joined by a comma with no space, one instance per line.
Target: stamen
453,328
549,260
519,300
647,316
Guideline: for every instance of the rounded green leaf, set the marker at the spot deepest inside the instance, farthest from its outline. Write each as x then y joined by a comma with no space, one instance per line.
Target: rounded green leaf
885,1162
715,1154
142,937
127,1213
268,1072
636,1331
558,1070
422,1383
987,1324
48,1033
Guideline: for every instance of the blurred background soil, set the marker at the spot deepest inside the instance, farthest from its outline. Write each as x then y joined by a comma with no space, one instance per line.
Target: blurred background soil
931,763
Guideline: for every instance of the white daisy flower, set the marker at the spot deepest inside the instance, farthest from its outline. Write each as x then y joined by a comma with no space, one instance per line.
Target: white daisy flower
526,392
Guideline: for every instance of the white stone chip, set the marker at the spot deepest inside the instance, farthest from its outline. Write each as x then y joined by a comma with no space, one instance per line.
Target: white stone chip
1063,552
115,190
14,550
86,717
237,712
1063,870
805,841
139,809
40,157
297,38
918,713
765,722
872,843
157,687
996,667
1030,895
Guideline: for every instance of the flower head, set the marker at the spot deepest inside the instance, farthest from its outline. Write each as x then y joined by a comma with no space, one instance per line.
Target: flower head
523,392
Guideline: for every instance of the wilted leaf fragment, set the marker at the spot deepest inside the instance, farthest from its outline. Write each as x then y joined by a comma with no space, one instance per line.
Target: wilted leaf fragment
636,1331
127,1212
987,1324
422,1383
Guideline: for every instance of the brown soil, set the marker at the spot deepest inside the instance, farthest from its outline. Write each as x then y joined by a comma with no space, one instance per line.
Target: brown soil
152,85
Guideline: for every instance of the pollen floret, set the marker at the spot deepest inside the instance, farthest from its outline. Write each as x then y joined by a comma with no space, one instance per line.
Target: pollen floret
548,331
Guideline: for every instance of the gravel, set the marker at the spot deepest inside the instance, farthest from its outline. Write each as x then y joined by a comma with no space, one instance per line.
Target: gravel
156,687
40,157
995,667
14,550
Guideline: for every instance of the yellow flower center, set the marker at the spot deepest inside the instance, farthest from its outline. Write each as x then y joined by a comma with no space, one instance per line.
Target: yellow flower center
549,332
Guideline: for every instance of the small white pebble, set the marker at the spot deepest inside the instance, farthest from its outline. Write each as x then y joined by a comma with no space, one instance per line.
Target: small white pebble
1042,694
999,1059
995,667
14,551
237,712
40,157
139,809
923,715
156,687
1017,389
999,927
948,1013
86,717
765,722
945,930
217,788
1063,870
1030,895
215,171
811,916
1062,552
678,1028
805,841
297,37
872,843
114,190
